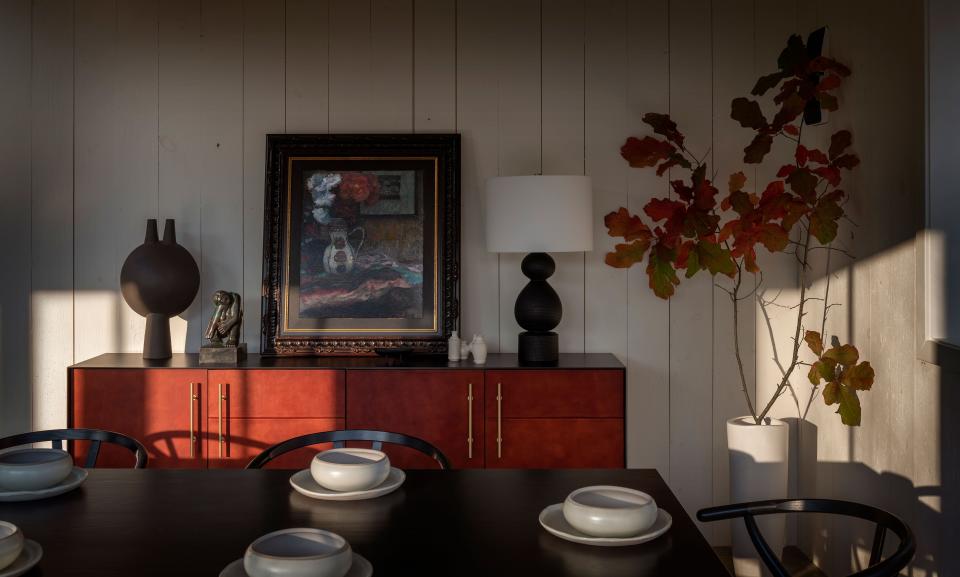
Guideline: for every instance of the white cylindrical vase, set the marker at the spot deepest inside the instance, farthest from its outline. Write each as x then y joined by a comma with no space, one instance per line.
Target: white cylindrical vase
759,460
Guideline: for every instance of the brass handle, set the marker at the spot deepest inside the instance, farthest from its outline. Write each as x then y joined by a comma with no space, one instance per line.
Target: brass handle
469,420
220,399
499,421
193,436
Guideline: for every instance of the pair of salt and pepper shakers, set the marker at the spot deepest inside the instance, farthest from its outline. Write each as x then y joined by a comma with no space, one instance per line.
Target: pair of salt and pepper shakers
458,349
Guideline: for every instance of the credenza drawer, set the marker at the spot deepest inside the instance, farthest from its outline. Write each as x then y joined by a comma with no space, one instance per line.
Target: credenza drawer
555,393
275,393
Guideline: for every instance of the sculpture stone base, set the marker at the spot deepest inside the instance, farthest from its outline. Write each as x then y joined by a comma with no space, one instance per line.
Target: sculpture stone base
225,355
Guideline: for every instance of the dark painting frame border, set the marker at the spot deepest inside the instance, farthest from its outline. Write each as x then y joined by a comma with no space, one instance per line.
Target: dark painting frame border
280,147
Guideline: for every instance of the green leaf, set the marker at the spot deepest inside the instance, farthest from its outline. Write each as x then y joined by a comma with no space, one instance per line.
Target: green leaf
849,407
822,370
846,355
803,183
663,277
715,258
814,341
859,377
831,393
823,220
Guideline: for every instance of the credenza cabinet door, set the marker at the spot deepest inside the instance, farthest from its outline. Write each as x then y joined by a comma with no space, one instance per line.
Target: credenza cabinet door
250,410
162,408
442,407
554,419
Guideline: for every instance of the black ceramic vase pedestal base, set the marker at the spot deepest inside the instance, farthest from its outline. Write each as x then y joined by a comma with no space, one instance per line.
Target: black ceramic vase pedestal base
539,348
156,338
538,310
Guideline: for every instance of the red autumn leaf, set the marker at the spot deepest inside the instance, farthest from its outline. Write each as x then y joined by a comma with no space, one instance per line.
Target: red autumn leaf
737,181
663,208
773,237
792,108
839,142
814,341
663,125
829,173
803,183
747,113
786,170
715,258
663,277
859,377
788,89
795,209
629,226
646,152
847,161
757,149
626,255
815,155
824,64
829,83
676,159
791,129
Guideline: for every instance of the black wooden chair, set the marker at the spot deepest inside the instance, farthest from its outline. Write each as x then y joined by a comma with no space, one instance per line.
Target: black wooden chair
339,438
884,522
95,436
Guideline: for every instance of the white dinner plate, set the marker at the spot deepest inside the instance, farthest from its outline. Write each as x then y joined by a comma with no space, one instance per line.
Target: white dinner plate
30,556
553,521
359,568
73,480
303,483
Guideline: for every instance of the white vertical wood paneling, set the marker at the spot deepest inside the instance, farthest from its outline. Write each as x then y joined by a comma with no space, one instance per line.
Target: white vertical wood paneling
517,54
307,59
222,175
181,144
371,66
435,66
691,313
51,200
96,255
478,123
562,141
733,76
648,330
605,324
263,113
15,26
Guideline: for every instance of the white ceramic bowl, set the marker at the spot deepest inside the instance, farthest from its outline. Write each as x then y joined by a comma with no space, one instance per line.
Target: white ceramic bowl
34,469
298,553
608,511
11,543
350,469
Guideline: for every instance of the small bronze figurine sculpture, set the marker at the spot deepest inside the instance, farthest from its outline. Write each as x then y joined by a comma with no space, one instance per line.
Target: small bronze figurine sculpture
223,331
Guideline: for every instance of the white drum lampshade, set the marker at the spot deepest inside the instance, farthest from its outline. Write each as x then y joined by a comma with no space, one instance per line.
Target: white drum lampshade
537,215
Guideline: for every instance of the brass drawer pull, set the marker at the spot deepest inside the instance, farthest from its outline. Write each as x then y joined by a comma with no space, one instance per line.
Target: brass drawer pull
469,420
499,421
193,437
220,399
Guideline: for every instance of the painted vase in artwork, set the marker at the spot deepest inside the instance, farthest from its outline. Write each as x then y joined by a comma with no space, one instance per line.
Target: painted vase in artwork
159,280
340,255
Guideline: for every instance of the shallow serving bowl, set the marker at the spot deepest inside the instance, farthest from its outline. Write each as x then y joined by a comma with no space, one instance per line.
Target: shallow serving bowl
33,469
298,553
11,543
608,511
350,469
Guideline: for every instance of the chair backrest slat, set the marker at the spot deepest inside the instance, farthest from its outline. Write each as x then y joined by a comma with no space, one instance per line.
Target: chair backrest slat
339,438
96,437
878,567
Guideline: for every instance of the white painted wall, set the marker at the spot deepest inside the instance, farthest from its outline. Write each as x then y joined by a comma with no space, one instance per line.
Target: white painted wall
115,111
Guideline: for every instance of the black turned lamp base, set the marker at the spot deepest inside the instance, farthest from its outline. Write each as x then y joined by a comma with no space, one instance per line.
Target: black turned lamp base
539,348
538,311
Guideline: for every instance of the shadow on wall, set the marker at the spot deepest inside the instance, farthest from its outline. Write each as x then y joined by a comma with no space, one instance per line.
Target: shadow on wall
841,545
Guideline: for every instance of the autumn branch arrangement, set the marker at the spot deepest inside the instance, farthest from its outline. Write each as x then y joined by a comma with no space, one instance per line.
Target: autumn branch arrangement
795,214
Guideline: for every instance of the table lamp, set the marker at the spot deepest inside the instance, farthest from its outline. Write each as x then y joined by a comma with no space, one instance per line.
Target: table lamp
537,215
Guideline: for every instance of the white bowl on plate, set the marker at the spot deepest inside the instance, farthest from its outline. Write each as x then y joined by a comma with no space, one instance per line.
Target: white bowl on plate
34,469
350,469
11,543
609,511
298,553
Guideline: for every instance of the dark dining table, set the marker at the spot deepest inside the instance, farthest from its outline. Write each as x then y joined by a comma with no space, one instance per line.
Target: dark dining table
467,522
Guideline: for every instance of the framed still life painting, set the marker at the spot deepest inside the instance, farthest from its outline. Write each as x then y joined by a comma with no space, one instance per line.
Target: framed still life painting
361,243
